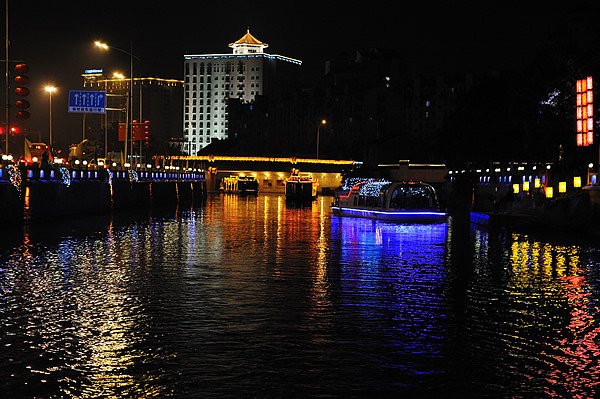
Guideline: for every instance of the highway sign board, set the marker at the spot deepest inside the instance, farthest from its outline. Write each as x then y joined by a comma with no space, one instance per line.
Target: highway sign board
87,102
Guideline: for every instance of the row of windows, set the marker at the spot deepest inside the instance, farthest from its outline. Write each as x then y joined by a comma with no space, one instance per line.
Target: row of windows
201,109
196,134
201,102
223,86
201,117
208,94
225,78
208,68
201,124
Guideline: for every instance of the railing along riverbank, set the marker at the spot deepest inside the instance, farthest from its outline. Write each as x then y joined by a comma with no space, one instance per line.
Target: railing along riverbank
31,193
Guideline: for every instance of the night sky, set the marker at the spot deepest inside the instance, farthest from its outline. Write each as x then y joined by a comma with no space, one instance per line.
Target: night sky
55,37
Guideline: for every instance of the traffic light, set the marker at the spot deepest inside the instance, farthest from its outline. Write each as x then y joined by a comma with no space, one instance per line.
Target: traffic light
122,131
22,80
13,130
141,131
146,133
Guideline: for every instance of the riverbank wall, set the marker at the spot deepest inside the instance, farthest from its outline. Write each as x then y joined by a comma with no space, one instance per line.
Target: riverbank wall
31,194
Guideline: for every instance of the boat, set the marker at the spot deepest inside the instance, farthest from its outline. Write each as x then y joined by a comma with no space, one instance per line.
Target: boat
406,202
300,188
240,185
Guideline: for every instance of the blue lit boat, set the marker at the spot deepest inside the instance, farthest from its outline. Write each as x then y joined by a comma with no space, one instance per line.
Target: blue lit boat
403,202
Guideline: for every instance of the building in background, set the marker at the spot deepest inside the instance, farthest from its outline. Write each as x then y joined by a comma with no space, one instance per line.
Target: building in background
157,100
215,81
382,107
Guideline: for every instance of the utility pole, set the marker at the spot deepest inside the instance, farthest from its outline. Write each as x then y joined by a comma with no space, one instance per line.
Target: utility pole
7,77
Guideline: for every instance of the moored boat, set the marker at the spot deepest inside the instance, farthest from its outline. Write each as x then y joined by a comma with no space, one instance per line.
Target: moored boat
300,188
240,185
405,202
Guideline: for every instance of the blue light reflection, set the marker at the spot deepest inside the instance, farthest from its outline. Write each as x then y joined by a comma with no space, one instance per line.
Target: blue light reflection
394,275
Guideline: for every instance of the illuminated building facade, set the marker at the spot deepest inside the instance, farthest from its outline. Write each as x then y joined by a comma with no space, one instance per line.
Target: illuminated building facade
213,81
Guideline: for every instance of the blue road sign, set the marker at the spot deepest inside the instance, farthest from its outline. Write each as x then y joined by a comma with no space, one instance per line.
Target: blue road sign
87,102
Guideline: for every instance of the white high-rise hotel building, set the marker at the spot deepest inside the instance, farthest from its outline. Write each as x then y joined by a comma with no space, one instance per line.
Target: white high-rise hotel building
212,79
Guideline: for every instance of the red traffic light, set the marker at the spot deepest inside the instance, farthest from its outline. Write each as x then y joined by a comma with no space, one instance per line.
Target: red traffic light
22,104
23,115
22,79
12,130
22,91
21,68
146,133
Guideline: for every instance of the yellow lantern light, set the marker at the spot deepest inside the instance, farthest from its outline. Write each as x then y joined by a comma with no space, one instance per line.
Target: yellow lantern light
525,186
516,188
577,181
562,187
549,192
536,183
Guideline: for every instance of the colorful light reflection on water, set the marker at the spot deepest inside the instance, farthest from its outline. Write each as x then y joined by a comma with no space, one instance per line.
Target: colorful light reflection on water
253,297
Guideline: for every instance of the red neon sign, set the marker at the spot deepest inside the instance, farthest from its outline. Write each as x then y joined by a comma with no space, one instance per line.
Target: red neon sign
585,112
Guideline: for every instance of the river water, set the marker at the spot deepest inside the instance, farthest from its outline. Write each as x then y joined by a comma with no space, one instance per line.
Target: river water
250,297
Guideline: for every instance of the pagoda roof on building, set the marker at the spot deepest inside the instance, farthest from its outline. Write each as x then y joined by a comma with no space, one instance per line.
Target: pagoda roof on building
248,39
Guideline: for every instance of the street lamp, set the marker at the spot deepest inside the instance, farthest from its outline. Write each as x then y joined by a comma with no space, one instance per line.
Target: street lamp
129,111
323,122
50,90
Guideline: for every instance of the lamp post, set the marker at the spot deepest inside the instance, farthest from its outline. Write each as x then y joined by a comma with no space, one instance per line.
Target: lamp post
50,90
129,112
7,77
322,122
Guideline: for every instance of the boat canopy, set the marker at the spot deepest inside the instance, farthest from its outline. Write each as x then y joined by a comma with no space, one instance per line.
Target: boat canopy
350,182
400,195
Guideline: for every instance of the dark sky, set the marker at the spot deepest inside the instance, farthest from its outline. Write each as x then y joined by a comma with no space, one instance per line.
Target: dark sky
55,37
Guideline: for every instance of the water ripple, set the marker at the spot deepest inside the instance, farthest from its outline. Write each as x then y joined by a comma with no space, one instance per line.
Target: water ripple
250,297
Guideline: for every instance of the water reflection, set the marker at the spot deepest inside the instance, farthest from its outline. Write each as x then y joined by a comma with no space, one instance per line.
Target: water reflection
531,308
392,279
250,294
73,321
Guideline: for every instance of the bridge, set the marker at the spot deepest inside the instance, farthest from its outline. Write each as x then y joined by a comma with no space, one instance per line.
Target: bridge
269,171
